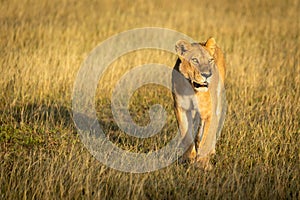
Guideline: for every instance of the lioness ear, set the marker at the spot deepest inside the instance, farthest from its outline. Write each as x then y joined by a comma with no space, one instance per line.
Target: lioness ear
181,47
210,44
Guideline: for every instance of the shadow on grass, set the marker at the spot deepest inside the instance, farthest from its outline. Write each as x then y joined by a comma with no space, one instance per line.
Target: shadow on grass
35,124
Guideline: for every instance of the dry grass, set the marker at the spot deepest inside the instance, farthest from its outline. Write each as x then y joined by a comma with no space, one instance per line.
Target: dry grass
43,43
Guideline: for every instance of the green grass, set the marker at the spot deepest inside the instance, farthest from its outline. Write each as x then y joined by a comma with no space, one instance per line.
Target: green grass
42,45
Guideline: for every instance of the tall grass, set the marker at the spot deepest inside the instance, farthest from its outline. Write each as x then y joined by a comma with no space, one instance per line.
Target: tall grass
42,45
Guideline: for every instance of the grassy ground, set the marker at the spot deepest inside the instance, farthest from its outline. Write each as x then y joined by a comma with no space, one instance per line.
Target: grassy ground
42,45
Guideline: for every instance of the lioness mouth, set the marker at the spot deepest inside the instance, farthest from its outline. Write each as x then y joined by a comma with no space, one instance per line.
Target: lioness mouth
199,85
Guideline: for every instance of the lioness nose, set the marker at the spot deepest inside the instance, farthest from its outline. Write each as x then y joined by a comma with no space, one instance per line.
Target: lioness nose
206,74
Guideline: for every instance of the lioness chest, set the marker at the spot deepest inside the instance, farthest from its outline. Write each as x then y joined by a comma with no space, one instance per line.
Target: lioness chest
204,104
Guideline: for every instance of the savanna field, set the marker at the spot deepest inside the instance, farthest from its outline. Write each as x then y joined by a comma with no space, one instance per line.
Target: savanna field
44,43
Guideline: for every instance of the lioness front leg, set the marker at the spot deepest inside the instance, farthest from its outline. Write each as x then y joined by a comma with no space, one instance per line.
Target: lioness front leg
185,124
205,144
199,135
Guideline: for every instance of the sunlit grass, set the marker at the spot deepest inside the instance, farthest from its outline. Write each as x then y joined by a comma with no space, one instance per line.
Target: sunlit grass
42,45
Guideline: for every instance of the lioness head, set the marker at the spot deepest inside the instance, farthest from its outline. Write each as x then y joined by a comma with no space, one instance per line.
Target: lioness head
197,62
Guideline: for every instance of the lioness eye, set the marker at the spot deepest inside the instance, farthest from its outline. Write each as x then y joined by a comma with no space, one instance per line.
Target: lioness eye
211,60
195,60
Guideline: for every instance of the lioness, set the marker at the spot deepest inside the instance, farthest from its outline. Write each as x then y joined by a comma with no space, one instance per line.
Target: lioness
202,66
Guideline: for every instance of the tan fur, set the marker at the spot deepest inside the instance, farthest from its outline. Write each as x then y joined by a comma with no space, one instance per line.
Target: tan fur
198,63
218,56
